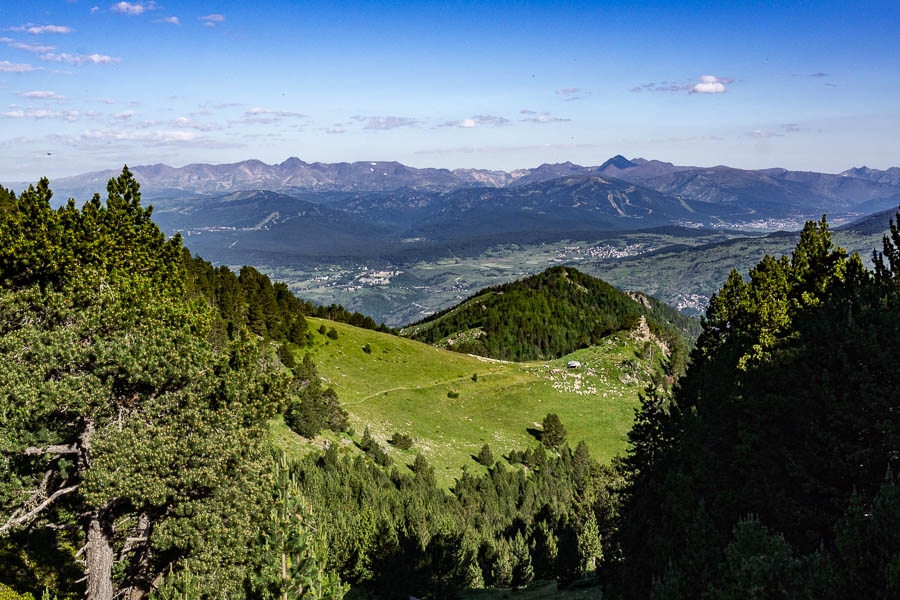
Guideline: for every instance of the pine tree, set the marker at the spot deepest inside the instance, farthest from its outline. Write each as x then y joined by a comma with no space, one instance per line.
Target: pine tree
125,414
293,566
523,572
590,549
485,456
554,432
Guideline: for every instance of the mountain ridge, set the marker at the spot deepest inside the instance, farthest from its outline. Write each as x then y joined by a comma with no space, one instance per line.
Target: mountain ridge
720,184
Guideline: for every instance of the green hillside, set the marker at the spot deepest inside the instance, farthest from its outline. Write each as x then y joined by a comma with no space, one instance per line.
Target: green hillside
402,386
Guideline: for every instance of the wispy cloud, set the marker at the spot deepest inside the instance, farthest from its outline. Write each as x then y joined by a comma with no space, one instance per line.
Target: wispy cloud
818,75
211,20
572,94
81,59
526,111
710,84
477,120
385,123
284,114
27,47
124,115
8,67
661,86
42,95
265,116
172,20
338,128
150,138
545,118
133,8
496,149
692,138
186,123
790,127
760,133
68,115
39,29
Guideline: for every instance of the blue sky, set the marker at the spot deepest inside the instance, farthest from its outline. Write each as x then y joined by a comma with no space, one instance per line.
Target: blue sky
87,85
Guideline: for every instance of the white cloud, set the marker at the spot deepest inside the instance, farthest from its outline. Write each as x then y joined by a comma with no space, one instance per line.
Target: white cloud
94,9
38,29
336,129
81,59
567,91
172,20
709,88
124,115
8,67
42,95
710,84
135,8
526,111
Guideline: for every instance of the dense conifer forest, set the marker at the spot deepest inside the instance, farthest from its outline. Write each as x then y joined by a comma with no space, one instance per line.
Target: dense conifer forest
138,384
549,315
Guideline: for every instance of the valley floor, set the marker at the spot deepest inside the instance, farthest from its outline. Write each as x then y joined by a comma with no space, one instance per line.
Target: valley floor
681,271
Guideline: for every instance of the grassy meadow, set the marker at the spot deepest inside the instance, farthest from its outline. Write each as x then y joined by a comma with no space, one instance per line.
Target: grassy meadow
403,386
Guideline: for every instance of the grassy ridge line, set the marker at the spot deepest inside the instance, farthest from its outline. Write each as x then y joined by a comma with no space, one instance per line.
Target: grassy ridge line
402,385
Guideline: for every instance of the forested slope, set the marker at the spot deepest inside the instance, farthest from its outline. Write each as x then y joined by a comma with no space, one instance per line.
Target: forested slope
549,315
771,466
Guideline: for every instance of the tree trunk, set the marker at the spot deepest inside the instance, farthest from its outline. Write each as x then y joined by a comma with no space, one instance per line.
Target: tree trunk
98,557
138,580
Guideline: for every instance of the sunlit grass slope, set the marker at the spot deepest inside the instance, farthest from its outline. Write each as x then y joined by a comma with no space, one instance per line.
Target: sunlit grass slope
403,386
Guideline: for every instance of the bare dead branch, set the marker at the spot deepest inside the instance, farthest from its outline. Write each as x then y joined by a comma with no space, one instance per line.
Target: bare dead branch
20,518
55,449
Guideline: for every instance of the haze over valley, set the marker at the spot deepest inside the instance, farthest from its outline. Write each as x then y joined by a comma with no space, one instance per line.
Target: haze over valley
398,243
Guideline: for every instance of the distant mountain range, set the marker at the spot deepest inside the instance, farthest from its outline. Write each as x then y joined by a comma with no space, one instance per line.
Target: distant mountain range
298,210
767,193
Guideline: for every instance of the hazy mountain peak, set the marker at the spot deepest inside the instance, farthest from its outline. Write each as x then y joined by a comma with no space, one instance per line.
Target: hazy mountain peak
618,161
